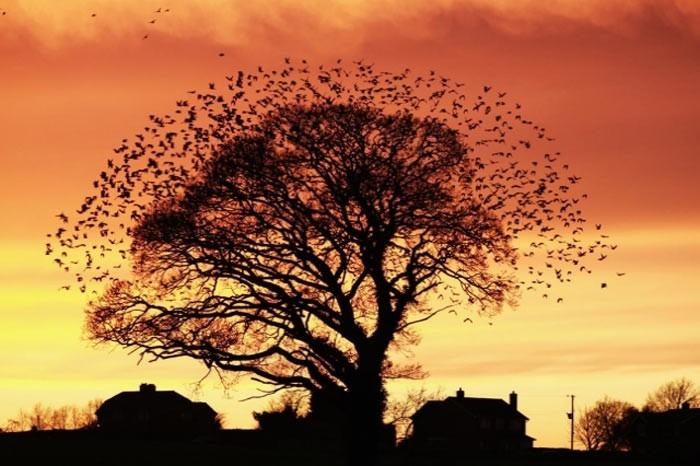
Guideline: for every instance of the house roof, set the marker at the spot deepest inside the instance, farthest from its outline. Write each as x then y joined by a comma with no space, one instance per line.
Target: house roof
204,407
164,400
475,407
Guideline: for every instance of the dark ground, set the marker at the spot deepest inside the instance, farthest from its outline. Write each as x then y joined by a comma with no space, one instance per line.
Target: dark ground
233,447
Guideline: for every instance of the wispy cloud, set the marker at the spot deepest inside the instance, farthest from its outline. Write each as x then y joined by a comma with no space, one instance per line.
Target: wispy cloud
239,22
575,359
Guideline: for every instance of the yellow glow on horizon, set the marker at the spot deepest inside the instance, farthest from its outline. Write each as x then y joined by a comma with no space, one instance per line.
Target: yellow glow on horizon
636,331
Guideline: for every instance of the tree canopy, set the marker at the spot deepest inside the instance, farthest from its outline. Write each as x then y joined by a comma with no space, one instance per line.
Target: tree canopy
673,395
605,425
298,224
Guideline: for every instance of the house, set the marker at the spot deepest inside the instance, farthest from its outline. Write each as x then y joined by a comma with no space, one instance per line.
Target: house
672,433
151,411
475,425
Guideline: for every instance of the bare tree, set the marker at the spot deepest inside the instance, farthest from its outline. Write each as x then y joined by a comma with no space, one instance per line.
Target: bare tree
299,226
399,411
605,425
296,401
42,417
673,395
285,413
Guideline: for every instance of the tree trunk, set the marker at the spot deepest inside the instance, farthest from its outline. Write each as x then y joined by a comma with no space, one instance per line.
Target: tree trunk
366,434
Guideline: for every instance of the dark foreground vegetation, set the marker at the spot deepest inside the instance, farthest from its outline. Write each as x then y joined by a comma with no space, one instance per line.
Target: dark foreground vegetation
243,447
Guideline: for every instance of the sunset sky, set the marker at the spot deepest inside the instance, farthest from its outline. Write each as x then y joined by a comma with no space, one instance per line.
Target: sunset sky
615,81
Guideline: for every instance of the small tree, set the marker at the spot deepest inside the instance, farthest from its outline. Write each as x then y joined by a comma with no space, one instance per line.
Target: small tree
284,413
605,426
61,418
298,227
673,395
399,411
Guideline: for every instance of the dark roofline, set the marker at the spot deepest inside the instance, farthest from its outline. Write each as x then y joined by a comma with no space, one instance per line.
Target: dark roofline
140,394
499,400
457,401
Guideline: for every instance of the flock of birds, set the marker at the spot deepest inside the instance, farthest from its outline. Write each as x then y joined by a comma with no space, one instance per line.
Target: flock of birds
124,190
532,192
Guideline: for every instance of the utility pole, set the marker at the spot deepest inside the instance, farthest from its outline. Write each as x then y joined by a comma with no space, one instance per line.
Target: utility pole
570,415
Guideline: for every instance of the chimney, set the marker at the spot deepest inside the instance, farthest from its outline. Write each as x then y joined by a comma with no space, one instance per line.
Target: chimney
685,405
514,400
147,388
460,393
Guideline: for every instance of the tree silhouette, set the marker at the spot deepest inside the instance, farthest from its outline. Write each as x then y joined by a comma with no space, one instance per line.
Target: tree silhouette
69,417
399,410
606,425
284,414
299,224
673,395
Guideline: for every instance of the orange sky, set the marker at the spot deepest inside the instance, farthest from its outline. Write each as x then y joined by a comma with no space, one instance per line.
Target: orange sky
615,81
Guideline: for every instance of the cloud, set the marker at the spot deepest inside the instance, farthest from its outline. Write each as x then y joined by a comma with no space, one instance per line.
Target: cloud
575,359
238,22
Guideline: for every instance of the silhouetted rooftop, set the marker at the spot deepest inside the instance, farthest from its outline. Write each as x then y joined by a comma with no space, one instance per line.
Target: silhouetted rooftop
148,405
478,407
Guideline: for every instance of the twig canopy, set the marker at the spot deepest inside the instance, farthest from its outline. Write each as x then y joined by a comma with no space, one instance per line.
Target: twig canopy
298,225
